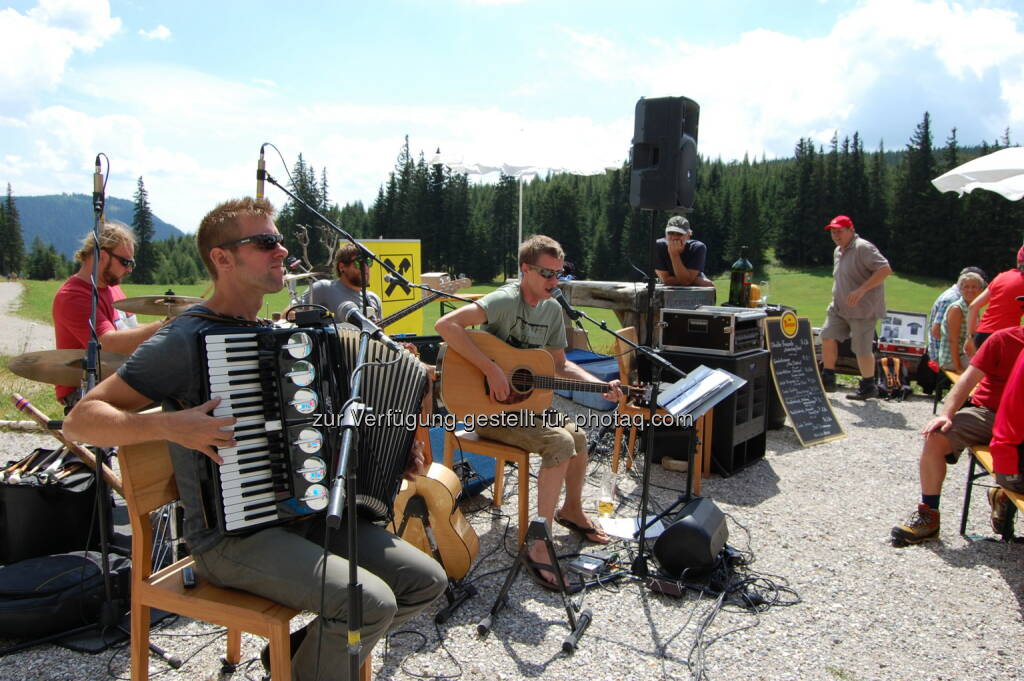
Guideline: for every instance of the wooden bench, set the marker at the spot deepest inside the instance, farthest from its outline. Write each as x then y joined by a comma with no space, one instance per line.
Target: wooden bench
981,454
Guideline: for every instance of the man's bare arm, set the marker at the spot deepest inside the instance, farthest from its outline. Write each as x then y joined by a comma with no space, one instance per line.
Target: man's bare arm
107,417
452,328
124,341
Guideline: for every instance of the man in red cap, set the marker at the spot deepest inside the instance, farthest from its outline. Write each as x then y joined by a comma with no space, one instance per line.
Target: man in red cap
858,302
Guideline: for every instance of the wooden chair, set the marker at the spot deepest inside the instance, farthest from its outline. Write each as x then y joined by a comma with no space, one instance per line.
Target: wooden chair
148,480
628,376
470,441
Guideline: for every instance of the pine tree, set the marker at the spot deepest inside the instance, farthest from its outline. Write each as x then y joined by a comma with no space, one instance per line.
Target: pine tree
10,239
142,224
915,208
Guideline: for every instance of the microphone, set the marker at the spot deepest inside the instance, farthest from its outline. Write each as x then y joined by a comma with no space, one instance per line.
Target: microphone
295,265
349,312
392,279
97,189
573,313
261,174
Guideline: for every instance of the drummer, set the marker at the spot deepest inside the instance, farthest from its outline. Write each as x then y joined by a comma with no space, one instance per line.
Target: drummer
353,272
117,331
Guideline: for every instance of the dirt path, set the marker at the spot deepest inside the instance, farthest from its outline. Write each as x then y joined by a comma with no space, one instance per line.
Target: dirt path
17,334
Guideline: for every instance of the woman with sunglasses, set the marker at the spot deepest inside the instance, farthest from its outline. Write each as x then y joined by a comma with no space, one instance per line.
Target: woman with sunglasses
118,331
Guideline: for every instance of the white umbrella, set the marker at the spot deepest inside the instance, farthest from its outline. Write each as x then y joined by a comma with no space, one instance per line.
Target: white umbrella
1001,172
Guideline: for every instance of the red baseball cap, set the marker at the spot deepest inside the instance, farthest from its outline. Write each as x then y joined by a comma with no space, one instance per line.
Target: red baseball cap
840,222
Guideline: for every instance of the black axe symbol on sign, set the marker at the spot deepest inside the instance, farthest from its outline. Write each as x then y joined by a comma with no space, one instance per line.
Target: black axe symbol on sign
403,267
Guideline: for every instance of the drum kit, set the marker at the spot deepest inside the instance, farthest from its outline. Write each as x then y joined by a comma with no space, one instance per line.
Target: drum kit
66,367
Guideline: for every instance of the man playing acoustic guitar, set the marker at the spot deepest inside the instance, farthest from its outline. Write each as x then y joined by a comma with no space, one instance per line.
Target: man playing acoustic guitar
523,314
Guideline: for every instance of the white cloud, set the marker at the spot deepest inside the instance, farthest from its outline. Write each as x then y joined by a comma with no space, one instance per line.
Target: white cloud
35,46
766,89
161,32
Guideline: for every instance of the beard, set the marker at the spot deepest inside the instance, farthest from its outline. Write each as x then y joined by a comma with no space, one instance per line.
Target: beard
108,278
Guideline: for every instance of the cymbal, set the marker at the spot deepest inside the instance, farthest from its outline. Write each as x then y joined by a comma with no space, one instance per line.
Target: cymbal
61,367
161,306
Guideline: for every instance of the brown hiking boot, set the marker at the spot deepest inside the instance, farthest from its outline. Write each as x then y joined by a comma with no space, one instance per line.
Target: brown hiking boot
923,526
1001,509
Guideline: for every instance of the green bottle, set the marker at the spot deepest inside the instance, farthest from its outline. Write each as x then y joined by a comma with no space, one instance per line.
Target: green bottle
739,283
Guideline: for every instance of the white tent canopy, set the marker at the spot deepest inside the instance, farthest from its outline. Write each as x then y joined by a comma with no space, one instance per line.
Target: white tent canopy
1001,172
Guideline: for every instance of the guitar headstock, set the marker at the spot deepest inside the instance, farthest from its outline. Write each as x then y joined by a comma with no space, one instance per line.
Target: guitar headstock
454,285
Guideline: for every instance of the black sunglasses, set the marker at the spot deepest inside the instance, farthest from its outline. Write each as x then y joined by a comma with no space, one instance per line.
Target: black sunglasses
545,272
125,262
264,242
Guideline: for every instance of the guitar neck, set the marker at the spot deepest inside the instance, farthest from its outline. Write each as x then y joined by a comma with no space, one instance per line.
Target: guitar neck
556,383
391,319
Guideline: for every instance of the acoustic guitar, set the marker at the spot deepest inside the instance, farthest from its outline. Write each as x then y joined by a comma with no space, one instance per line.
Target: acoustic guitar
438,489
531,375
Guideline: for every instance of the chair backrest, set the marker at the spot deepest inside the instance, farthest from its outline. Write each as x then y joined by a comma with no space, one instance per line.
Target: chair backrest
148,479
626,356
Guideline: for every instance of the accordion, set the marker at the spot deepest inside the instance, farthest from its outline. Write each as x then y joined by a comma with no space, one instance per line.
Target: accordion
286,387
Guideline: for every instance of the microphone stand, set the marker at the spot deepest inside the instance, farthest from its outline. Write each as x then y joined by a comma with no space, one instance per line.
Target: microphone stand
343,490
343,493
364,251
111,608
659,363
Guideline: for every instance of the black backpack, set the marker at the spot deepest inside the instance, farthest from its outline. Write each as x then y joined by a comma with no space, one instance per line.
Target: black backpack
892,378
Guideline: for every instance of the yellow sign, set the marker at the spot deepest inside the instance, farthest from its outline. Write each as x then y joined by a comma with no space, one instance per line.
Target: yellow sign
404,256
788,324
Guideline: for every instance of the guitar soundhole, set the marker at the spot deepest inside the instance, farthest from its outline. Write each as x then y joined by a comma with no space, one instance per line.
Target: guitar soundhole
522,380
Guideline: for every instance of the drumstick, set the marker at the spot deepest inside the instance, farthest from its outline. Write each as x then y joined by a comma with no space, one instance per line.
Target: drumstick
112,478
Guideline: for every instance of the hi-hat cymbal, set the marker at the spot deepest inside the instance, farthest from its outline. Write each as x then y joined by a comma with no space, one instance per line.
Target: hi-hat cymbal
61,367
161,306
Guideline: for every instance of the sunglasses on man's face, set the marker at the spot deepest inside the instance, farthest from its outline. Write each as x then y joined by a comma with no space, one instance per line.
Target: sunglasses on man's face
361,262
264,242
125,262
545,272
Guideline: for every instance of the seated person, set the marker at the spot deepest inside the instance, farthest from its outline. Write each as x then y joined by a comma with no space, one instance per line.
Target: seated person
243,251
953,337
939,307
948,433
353,273
678,259
116,330
523,314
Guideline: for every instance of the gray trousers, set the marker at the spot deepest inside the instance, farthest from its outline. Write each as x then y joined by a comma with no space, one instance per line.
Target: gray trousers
285,564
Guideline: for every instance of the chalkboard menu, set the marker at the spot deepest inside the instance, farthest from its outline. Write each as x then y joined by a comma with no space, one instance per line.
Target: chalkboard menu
795,369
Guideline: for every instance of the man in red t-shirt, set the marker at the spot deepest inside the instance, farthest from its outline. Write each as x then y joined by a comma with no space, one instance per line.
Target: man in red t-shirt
117,331
1004,309
1007,438
952,430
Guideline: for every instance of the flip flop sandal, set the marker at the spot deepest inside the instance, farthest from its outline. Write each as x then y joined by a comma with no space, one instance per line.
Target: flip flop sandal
533,569
585,532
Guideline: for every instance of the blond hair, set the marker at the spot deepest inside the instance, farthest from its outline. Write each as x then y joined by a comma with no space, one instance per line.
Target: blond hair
112,235
222,224
536,246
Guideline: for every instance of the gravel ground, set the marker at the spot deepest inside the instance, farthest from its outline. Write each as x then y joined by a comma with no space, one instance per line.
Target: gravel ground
815,519
20,335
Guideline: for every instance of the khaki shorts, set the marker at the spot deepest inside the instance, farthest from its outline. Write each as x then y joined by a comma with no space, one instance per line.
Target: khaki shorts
971,426
861,332
554,444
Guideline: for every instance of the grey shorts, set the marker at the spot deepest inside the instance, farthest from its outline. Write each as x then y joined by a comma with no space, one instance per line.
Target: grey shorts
554,445
971,426
861,332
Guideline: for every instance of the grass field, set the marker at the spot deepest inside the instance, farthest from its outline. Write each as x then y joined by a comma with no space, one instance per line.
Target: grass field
809,291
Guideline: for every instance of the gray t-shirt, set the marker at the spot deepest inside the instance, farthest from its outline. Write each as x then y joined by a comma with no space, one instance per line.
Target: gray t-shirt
168,369
331,293
510,319
850,270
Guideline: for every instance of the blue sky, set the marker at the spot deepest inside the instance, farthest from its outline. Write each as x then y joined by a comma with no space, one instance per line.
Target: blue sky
184,93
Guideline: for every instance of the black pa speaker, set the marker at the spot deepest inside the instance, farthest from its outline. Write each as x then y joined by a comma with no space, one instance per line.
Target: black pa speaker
692,539
664,154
